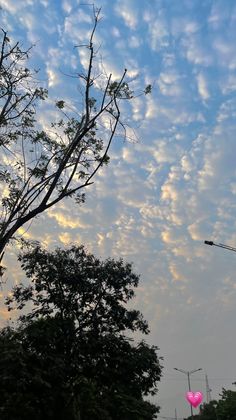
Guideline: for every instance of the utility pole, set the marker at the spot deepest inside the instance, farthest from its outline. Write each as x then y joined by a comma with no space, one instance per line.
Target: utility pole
175,414
208,390
188,373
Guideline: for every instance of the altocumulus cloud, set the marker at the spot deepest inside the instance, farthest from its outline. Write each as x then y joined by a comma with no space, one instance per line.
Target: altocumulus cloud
170,186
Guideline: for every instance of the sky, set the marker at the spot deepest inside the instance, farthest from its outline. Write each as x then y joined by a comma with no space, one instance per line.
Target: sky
170,185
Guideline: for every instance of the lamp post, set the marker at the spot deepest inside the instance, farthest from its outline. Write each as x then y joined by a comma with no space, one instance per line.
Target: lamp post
211,243
188,373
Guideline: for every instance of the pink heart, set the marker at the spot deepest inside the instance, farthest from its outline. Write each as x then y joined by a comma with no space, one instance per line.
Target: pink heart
194,398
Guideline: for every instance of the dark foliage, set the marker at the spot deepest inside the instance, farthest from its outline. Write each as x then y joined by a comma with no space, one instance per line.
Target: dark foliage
224,409
70,351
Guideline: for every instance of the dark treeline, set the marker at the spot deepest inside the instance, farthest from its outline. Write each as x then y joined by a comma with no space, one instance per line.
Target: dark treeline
224,409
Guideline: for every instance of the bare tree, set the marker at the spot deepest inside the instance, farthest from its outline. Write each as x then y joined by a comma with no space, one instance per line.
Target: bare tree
39,168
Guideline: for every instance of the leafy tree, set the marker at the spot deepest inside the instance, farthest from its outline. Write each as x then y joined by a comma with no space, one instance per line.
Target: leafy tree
42,167
73,341
224,409
75,284
32,380
207,411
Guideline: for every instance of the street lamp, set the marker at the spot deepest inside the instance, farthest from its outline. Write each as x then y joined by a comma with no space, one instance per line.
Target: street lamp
188,373
211,243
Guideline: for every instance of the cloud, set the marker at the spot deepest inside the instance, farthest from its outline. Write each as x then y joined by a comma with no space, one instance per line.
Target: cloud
29,21
135,42
127,9
176,273
169,192
70,28
72,237
196,51
202,87
183,25
175,111
220,13
199,230
159,34
166,151
170,84
228,84
225,52
66,221
11,6
218,161
172,236
53,77
129,155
